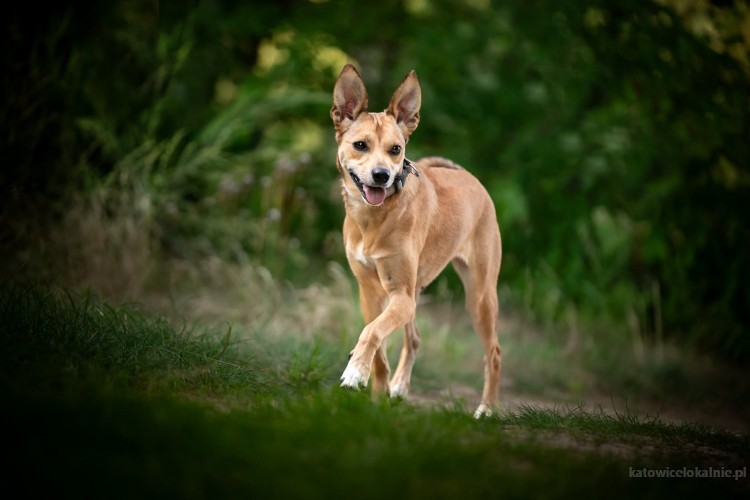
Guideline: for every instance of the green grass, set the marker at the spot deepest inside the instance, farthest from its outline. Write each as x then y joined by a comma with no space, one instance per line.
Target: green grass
106,402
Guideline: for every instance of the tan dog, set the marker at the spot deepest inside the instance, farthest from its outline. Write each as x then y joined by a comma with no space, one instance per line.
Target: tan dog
402,230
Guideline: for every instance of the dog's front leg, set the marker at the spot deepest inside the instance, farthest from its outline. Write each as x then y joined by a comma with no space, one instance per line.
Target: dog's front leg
401,308
387,293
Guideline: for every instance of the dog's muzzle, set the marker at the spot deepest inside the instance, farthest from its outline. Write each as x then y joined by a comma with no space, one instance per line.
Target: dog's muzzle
376,195
373,195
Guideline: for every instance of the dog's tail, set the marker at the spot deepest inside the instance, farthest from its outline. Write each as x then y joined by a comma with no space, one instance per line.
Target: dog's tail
438,162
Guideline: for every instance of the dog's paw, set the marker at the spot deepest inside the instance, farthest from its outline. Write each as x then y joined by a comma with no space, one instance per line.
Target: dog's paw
352,378
398,391
483,411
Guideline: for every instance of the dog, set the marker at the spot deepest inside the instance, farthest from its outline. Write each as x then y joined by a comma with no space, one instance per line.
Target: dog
404,223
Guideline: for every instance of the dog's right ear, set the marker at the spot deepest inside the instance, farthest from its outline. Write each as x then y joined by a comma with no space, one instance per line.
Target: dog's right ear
349,98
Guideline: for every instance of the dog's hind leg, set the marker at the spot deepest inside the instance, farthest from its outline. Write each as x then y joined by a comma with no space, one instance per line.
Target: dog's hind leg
485,324
480,283
401,382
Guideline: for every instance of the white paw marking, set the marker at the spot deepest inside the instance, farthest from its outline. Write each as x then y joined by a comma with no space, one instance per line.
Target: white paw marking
353,378
399,390
483,411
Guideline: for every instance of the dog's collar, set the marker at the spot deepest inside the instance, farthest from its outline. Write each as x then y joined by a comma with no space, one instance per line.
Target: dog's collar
398,184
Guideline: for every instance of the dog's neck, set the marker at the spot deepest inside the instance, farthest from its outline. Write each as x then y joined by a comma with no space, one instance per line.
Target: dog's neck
398,184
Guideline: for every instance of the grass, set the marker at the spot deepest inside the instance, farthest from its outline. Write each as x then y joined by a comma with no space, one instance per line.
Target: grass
285,324
109,402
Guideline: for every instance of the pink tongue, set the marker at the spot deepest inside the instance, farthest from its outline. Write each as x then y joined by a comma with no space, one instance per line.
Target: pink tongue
374,195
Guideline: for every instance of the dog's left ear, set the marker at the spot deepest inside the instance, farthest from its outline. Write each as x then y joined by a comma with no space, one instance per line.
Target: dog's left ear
405,104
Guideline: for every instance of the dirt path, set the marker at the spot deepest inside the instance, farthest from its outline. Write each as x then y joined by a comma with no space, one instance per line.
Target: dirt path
514,402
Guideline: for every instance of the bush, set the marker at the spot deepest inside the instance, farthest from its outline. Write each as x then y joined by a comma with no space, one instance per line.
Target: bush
612,137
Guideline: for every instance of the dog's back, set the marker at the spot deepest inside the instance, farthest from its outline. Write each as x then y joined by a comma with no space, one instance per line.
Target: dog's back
439,162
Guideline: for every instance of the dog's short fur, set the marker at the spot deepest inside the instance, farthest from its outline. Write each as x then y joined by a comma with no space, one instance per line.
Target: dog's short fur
403,226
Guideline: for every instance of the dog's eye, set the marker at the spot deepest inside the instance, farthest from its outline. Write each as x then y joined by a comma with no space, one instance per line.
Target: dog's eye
360,146
395,150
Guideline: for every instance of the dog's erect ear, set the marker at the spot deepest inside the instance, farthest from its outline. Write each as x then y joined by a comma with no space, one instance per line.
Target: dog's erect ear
349,98
405,104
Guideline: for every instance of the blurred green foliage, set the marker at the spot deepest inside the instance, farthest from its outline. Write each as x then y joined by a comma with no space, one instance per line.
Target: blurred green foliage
614,138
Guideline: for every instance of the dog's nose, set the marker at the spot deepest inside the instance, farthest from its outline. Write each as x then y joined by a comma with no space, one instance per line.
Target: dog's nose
381,175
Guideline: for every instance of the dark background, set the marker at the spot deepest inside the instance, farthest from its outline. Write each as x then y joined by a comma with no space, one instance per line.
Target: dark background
613,137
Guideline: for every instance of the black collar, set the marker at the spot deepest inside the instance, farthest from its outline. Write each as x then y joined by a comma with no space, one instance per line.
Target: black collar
408,168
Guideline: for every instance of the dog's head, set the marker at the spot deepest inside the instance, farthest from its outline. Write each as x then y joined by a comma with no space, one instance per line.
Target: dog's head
371,146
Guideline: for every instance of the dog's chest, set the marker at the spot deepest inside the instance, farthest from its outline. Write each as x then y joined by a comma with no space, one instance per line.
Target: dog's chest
356,252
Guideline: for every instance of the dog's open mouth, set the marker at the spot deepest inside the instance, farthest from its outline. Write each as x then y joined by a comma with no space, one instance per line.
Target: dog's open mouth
372,195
